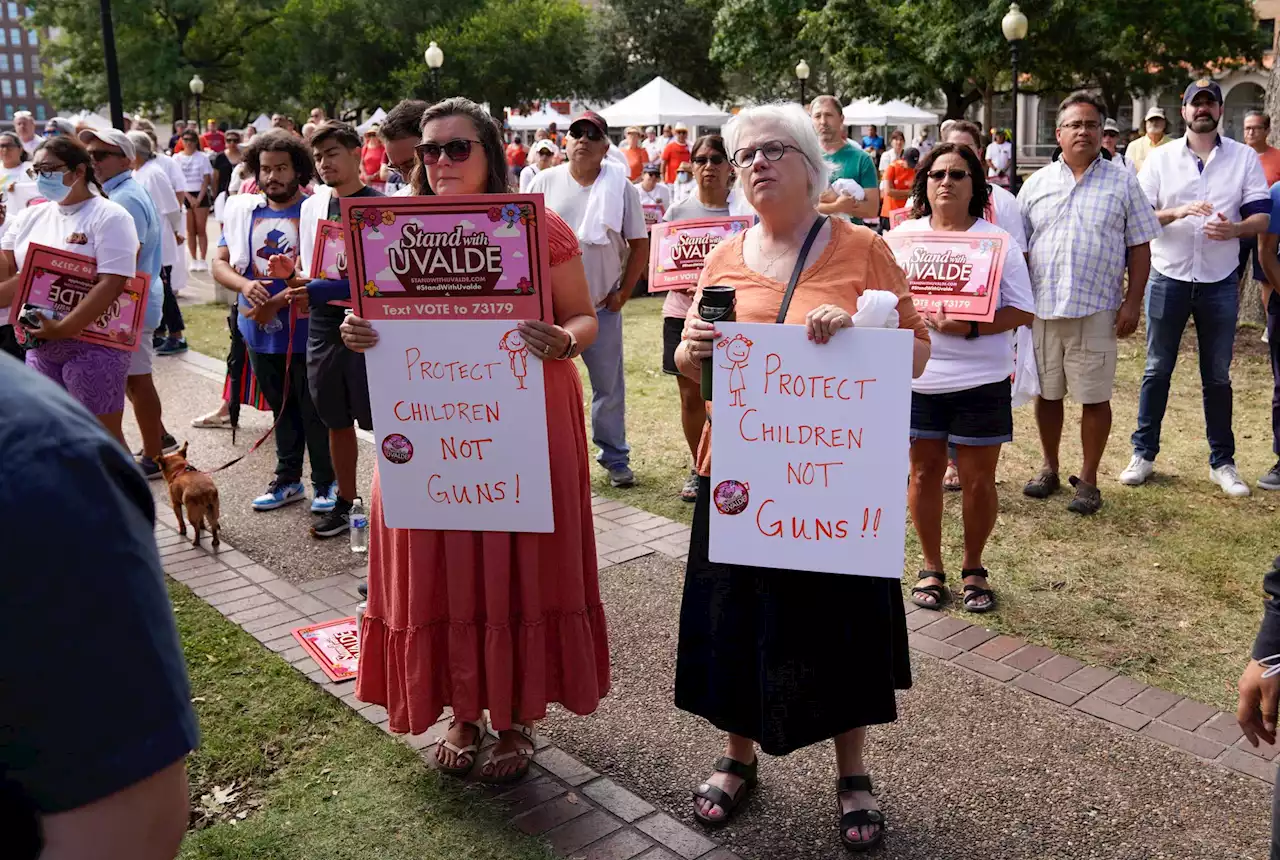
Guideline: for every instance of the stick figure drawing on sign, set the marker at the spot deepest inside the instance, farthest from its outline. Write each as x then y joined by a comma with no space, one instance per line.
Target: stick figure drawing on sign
518,353
737,349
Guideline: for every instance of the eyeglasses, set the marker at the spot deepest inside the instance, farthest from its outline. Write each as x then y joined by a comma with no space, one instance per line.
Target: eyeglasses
46,172
954,175
585,130
772,151
101,155
717,160
457,150
1081,125
233,140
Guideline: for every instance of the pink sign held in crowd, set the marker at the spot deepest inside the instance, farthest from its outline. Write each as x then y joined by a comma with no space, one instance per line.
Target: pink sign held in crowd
678,249
329,260
956,271
458,257
55,281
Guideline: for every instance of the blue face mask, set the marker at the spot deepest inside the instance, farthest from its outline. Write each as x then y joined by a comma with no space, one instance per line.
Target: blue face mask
51,187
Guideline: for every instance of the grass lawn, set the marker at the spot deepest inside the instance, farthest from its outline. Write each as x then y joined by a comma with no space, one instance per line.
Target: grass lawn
285,771
1164,584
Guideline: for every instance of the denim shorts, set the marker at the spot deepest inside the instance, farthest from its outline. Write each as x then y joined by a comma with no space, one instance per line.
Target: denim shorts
976,416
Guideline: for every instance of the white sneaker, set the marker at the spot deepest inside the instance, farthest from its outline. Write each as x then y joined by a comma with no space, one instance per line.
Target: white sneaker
1136,473
193,266
1229,479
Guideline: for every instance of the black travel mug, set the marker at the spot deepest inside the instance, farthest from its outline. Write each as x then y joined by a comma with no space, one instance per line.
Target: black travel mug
716,306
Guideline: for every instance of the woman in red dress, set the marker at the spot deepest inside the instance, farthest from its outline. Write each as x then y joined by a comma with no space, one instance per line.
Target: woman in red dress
496,621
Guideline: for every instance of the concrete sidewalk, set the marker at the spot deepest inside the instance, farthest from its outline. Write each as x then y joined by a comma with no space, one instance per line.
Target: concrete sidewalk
1002,749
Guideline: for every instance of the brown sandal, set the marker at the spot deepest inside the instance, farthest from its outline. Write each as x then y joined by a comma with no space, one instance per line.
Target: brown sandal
471,750
951,478
525,755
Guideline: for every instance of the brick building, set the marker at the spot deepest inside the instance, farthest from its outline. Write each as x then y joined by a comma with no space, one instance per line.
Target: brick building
21,80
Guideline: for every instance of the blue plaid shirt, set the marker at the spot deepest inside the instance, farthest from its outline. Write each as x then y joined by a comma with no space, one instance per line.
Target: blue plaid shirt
1078,234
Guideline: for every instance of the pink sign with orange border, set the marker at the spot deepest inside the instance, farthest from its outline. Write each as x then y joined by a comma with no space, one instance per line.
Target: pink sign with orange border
57,280
956,271
334,645
678,249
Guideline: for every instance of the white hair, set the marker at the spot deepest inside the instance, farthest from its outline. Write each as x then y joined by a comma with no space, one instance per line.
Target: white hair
794,124
23,114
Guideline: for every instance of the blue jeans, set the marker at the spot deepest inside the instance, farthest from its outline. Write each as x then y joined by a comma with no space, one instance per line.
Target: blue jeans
608,391
1214,308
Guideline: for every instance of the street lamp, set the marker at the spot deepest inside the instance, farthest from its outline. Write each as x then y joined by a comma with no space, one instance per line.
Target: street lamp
197,90
802,72
1014,26
435,59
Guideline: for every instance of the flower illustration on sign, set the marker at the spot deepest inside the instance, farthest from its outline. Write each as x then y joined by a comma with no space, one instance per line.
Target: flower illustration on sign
371,289
987,247
524,287
495,213
510,213
388,218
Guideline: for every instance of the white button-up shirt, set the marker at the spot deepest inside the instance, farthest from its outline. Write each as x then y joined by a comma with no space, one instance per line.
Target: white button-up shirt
1231,181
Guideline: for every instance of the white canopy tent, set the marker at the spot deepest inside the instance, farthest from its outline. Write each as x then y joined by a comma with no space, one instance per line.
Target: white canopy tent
894,112
661,102
262,123
93,120
539,119
375,118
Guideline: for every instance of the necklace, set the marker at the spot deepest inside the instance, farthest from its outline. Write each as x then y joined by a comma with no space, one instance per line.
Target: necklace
770,262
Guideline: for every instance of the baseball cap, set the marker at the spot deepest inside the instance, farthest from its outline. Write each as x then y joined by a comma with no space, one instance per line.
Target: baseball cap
544,146
593,118
1156,113
681,127
141,143
648,129
111,137
653,167
1203,85
1110,125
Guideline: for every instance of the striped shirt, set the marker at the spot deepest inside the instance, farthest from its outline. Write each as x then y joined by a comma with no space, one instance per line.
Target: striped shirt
1078,234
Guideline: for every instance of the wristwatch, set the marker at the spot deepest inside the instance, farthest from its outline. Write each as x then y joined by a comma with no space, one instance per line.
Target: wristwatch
570,348
973,330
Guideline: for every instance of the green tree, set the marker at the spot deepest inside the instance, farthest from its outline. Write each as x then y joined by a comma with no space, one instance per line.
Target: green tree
633,41
759,43
505,52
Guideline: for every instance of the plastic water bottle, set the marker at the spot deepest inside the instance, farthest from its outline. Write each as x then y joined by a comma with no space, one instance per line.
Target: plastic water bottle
359,527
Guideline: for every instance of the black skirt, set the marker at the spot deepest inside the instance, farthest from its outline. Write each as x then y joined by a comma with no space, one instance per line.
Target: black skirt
787,657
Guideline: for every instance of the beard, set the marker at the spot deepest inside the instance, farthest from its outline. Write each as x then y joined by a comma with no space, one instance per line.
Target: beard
1202,124
290,191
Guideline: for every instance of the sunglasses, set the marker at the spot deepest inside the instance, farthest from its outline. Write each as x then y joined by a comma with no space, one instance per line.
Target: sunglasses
953,175
590,132
191,140
717,160
233,140
101,155
457,150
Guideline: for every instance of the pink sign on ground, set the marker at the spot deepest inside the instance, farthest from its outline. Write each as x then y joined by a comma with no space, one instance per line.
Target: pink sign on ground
455,257
678,249
334,645
956,271
56,281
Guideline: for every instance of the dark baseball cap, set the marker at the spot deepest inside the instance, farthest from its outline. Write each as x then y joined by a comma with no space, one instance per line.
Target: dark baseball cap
1203,85
593,118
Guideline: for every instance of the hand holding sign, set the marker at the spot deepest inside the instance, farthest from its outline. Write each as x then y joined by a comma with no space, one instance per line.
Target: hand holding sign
358,334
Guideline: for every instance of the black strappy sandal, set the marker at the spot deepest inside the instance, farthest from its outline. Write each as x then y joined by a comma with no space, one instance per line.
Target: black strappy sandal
940,593
858,817
974,593
720,797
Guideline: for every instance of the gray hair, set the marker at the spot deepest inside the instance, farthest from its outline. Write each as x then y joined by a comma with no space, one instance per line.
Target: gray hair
142,143
23,114
796,125
1081,97
1263,115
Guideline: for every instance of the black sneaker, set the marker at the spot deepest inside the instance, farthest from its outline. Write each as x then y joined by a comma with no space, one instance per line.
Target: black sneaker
334,522
168,445
363,590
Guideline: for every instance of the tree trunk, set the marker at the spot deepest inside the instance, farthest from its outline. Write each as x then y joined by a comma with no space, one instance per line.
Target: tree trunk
988,109
956,102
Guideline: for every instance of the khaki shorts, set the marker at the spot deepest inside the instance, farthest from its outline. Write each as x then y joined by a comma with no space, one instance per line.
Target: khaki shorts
1077,356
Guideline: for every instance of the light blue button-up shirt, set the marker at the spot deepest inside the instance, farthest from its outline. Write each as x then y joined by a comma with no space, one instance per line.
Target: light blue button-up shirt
123,189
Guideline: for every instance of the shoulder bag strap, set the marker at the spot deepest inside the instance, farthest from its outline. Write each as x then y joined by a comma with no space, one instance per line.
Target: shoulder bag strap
799,269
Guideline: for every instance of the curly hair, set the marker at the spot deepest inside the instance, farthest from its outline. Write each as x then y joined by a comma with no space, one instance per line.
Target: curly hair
279,140
487,131
72,153
920,207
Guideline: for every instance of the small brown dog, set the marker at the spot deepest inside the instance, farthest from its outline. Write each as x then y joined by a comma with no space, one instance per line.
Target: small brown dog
193,488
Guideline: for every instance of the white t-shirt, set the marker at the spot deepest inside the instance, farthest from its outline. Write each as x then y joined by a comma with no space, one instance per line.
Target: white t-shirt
956,364
999,154
171,169
652,149
152,177
683,190
568,199
526,177
30,146
678,302
195,167
17,189
888,157
659,196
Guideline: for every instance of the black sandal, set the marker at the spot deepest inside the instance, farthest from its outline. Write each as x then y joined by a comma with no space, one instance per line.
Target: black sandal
858,817
974,593
940,593
721,798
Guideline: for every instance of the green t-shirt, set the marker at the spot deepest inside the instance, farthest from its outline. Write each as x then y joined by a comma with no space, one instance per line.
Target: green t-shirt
849,162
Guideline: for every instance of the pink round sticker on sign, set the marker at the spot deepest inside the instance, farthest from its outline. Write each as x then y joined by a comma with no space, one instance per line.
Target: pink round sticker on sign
731,497
397,449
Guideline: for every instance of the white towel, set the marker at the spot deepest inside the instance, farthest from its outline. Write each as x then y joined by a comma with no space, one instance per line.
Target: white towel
604,206
876,309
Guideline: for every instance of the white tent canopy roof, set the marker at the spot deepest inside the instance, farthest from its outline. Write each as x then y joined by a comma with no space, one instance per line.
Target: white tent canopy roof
895,112
661,102
93,120
377,117
262,123
541,118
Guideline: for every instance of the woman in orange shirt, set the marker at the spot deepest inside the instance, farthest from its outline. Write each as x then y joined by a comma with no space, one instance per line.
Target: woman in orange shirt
765,654
895,187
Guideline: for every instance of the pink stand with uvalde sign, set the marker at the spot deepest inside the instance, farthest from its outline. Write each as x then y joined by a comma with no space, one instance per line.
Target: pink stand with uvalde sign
956,271
476,256
678,249
57,280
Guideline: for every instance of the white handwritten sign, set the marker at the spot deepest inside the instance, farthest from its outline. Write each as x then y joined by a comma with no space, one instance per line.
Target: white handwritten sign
809,449
460,425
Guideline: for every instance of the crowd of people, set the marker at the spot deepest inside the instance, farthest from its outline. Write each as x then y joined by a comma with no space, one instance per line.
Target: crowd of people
497,626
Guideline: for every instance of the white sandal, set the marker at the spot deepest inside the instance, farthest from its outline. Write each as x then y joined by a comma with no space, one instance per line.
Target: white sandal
471,750
213,421
524,755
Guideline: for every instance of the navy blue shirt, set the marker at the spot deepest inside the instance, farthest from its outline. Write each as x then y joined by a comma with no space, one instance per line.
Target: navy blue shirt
271,232
96,698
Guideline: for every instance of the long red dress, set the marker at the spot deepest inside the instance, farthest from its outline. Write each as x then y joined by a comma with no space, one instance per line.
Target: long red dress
492,620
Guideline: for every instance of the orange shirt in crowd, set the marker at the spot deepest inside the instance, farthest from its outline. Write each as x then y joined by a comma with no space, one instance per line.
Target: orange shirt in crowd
635,159
674,155
1271,164
517,155
855,260
899,177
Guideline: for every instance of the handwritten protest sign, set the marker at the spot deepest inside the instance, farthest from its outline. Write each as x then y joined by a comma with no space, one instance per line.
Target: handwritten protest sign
329,259
678,249
809,449
480,256
460,427
56,281
958,271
